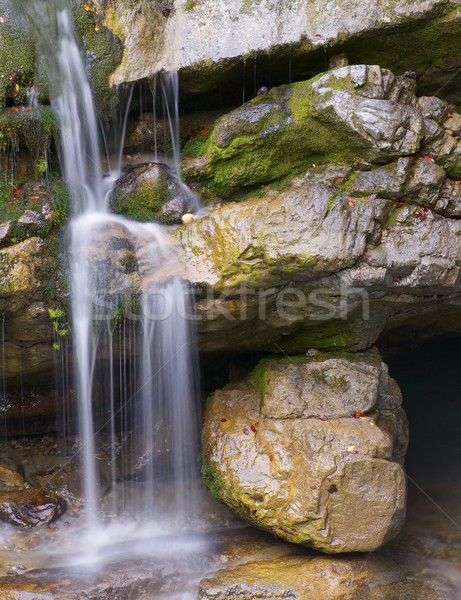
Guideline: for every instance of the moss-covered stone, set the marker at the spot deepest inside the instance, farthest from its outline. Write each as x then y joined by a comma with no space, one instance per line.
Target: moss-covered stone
17,53
103,51
301,125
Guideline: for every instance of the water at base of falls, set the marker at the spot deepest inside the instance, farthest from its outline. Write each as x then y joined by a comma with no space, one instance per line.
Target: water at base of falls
138,394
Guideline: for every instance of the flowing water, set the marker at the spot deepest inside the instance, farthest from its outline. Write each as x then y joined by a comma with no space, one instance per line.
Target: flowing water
158,404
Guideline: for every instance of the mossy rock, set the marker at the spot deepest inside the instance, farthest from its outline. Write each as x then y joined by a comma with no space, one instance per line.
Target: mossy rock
328,119
17,53
150,193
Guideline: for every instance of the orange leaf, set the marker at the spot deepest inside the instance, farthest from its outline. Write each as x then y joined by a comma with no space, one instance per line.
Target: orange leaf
15,108
35,197
97,27
88,8
250,581
204,131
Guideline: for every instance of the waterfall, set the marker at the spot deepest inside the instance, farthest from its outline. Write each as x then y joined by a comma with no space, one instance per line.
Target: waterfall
156,403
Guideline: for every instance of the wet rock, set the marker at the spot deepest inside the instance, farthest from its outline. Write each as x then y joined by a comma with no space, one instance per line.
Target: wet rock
151,193
294,577
10,475
62,475
31,507
320,441
148,130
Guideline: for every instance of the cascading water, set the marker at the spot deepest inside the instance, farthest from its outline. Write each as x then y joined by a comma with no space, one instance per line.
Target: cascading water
165,419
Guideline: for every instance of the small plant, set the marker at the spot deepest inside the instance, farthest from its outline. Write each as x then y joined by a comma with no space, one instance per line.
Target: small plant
59,322
191,4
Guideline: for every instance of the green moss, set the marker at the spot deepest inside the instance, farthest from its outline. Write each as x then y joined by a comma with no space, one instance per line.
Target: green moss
250,147
143,205
32,130
331,335
103,53
191,4
197,145
17,53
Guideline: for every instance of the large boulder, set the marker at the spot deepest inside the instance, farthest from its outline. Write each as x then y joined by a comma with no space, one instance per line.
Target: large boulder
355,115
311,449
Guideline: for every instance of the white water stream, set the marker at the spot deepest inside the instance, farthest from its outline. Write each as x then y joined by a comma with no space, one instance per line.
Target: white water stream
163,401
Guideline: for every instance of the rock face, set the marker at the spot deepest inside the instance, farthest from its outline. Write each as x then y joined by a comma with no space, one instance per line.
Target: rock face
310,448
399,34
345,250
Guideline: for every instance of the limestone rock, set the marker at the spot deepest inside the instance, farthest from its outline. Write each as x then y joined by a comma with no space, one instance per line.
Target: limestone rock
30,508
310,449
355,114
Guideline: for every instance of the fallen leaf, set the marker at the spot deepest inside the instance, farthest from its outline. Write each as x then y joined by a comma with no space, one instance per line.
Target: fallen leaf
254,428
353,449
318,36
15,108
350,201
166,12
193,132
333,488
323,418
358,414
250,581
35,198
204,131
88,8
97,27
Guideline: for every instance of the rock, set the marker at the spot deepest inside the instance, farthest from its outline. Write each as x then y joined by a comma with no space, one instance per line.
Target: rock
30,508
148,129
293,577
150,192
357,114
5,233
62,475
10,475
220,36
187,218
320,442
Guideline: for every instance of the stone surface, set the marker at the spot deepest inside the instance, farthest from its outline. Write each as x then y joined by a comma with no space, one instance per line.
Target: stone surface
30,507
152,193
356,114
219,34
310,448
293,577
